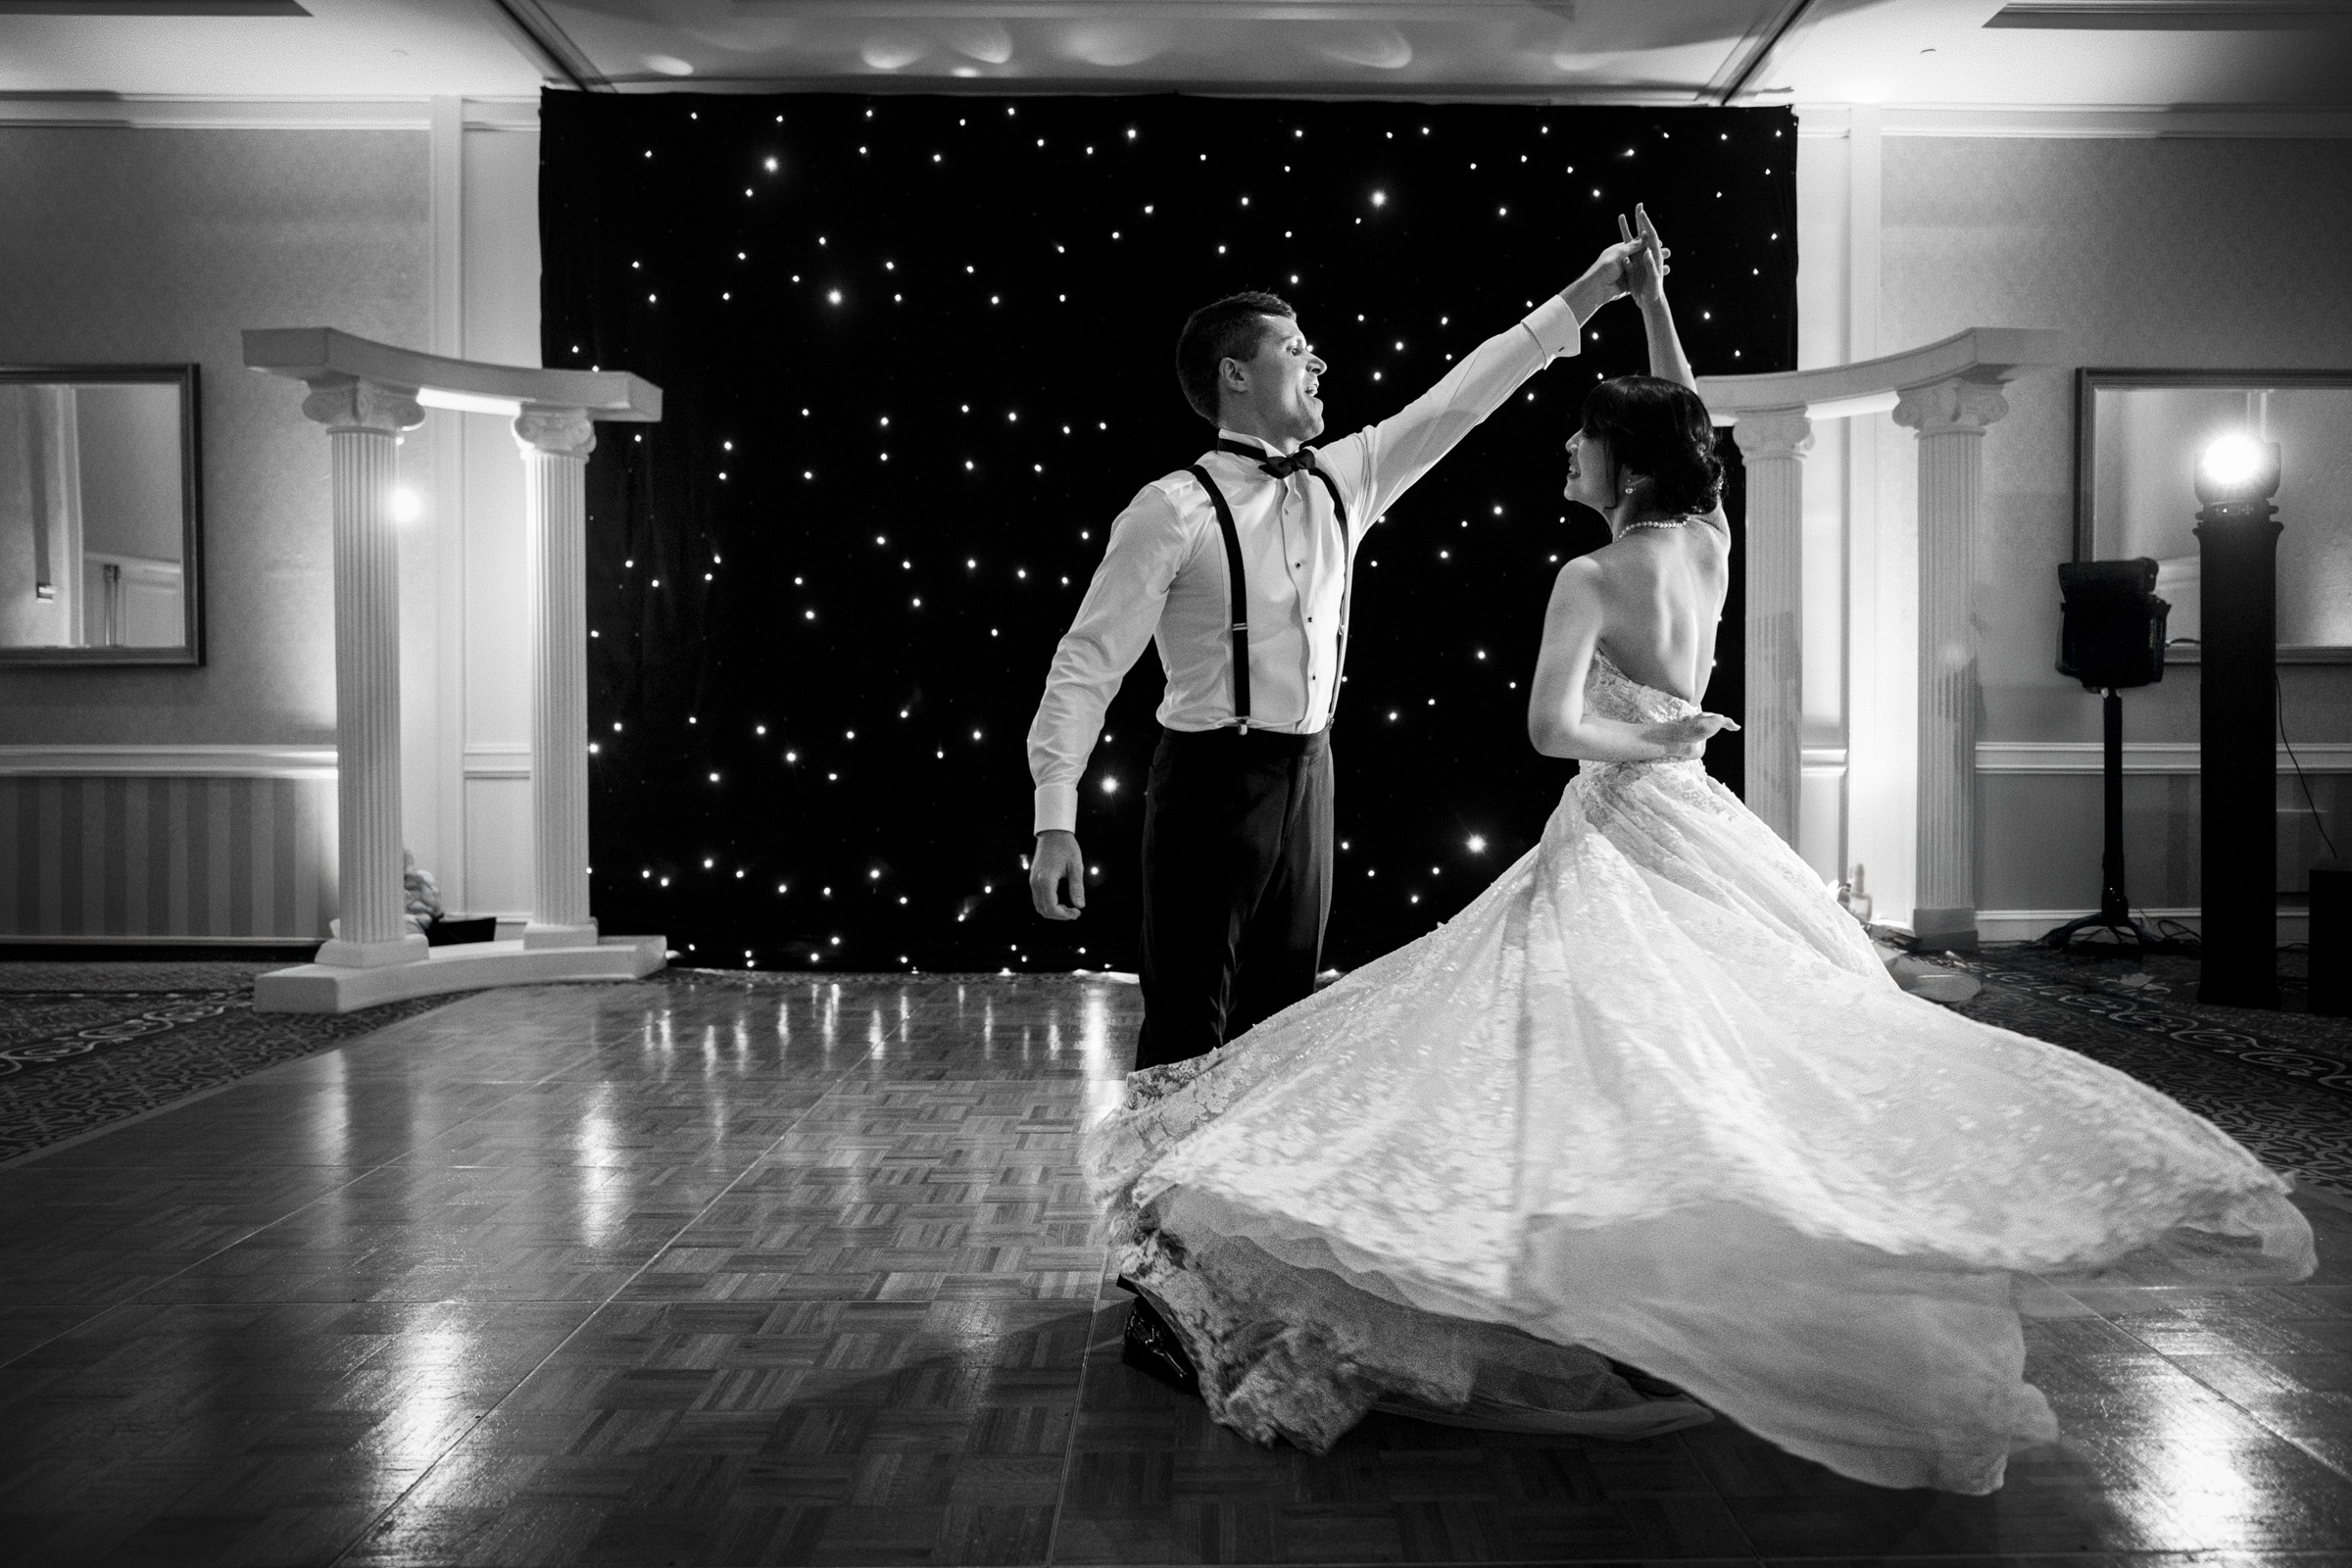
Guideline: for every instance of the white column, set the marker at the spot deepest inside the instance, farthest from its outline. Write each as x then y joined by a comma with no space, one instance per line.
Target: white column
1950,417
555,443
1772,444
363,423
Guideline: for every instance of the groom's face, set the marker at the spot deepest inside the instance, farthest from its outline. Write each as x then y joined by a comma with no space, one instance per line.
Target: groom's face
1282,380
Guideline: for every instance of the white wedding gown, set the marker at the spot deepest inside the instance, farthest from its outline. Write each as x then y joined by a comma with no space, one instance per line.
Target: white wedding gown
1652,1097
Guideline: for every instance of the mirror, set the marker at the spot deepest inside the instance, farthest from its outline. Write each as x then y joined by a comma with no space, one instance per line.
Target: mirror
99,560
2139,436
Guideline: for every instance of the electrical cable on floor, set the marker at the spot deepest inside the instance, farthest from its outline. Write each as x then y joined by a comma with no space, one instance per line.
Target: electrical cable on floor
2190,942
2278,691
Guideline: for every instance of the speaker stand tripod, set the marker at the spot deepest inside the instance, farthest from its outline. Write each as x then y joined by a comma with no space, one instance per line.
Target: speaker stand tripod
2115,907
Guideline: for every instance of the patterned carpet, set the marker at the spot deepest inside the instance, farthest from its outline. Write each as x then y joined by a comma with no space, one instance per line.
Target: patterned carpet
2278,1082
83,1046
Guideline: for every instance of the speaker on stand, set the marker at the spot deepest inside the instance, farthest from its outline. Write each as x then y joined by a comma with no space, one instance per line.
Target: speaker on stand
2111,639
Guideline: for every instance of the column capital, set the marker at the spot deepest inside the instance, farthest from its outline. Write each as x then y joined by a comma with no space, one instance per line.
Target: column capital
1772,433
347,403
557,432
1956,407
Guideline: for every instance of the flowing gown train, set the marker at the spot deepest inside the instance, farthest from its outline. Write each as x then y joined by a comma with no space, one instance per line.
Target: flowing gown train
1651,1097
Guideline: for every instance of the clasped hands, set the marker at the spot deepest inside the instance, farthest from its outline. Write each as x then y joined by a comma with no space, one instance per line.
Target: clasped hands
1636,266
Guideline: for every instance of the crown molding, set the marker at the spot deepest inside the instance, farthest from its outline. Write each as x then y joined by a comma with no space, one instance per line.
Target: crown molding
122,111
2083,122
2171,16
2043,122
880,84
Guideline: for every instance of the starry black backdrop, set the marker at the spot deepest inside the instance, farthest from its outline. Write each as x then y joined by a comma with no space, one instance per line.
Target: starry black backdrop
918,352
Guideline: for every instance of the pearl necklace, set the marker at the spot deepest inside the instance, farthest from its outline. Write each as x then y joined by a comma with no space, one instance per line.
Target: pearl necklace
1656,522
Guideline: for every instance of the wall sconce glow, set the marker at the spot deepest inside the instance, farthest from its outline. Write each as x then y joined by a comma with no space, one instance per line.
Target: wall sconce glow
893,52
1113,44
407,505
985,41
1383,48
469,402
668,65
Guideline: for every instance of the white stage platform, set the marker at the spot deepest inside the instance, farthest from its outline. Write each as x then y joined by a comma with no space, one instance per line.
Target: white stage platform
467,966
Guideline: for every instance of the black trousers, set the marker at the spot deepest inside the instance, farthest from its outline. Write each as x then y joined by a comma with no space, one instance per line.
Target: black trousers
1236,884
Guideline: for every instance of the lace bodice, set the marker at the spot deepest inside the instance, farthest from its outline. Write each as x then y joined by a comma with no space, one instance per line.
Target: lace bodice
1613,693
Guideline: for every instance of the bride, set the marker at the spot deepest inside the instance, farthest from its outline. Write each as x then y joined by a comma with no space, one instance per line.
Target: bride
1649,1101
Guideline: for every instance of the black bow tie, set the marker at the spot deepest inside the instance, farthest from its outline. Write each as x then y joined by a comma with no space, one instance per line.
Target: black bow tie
1301,461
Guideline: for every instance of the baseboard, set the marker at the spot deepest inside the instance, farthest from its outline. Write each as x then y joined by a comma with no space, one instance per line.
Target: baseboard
154,949
89,948
2024,926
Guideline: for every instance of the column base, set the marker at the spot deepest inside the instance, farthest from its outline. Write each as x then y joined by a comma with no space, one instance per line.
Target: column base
472,966
341,954
1945,930
536,935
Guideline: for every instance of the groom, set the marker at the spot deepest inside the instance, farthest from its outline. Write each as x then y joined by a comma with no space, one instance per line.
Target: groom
1239,567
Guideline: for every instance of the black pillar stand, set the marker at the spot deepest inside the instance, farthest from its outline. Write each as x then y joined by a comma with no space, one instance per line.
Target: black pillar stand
2237,758
2331,939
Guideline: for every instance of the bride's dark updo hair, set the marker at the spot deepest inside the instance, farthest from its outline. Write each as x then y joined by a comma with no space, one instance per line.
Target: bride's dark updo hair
1661,430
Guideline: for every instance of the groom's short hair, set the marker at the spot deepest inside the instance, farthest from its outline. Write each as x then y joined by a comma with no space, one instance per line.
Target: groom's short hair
1230,330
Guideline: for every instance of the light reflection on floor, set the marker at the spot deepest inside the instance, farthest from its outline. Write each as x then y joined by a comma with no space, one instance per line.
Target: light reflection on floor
743,1268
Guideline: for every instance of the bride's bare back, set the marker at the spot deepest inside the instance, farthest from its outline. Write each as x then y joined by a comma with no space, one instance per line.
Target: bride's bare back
1650,601
1661,593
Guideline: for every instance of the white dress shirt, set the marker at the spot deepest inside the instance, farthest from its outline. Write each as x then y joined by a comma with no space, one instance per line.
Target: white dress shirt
1164,574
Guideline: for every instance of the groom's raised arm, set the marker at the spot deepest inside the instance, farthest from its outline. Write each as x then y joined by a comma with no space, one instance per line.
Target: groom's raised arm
1381,462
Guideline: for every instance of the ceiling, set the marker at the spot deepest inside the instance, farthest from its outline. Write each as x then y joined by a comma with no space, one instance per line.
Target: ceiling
2233,54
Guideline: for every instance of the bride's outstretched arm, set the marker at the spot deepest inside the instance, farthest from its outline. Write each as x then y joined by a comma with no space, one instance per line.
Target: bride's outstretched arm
1558,723
1645,272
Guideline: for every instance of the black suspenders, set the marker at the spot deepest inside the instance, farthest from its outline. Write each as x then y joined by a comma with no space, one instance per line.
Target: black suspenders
1241,592
1339,669
1241,596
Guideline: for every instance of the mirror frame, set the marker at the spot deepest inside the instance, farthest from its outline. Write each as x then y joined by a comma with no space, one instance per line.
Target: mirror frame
190,652
2089,380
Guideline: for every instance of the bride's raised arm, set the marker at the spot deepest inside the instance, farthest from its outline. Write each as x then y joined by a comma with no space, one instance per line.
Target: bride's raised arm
1645,272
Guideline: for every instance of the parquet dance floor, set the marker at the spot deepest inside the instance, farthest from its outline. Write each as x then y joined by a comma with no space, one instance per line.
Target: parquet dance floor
766,1270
